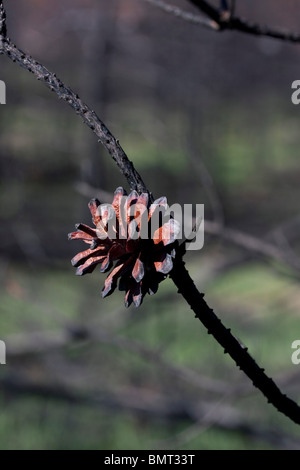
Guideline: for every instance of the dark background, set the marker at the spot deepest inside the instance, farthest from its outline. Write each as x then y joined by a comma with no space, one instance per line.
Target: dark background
206,118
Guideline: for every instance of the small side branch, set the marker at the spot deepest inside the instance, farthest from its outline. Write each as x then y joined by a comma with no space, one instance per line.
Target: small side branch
254,244
223,19
230,22
208,10
184,15
258,30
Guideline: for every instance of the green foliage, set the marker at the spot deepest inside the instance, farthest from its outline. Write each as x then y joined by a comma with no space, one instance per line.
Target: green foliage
51,299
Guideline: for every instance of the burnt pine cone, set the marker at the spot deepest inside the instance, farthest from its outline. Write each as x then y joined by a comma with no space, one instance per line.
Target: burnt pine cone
132,236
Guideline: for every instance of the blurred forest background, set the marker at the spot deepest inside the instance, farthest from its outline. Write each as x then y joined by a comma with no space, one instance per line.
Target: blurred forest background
206,118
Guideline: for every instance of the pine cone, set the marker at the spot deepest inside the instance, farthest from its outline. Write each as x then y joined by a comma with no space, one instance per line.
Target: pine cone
134,237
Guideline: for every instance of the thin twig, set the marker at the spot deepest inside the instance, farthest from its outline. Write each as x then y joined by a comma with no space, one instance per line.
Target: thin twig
208,10
43,342
253,244
241,25
220,22
184,15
